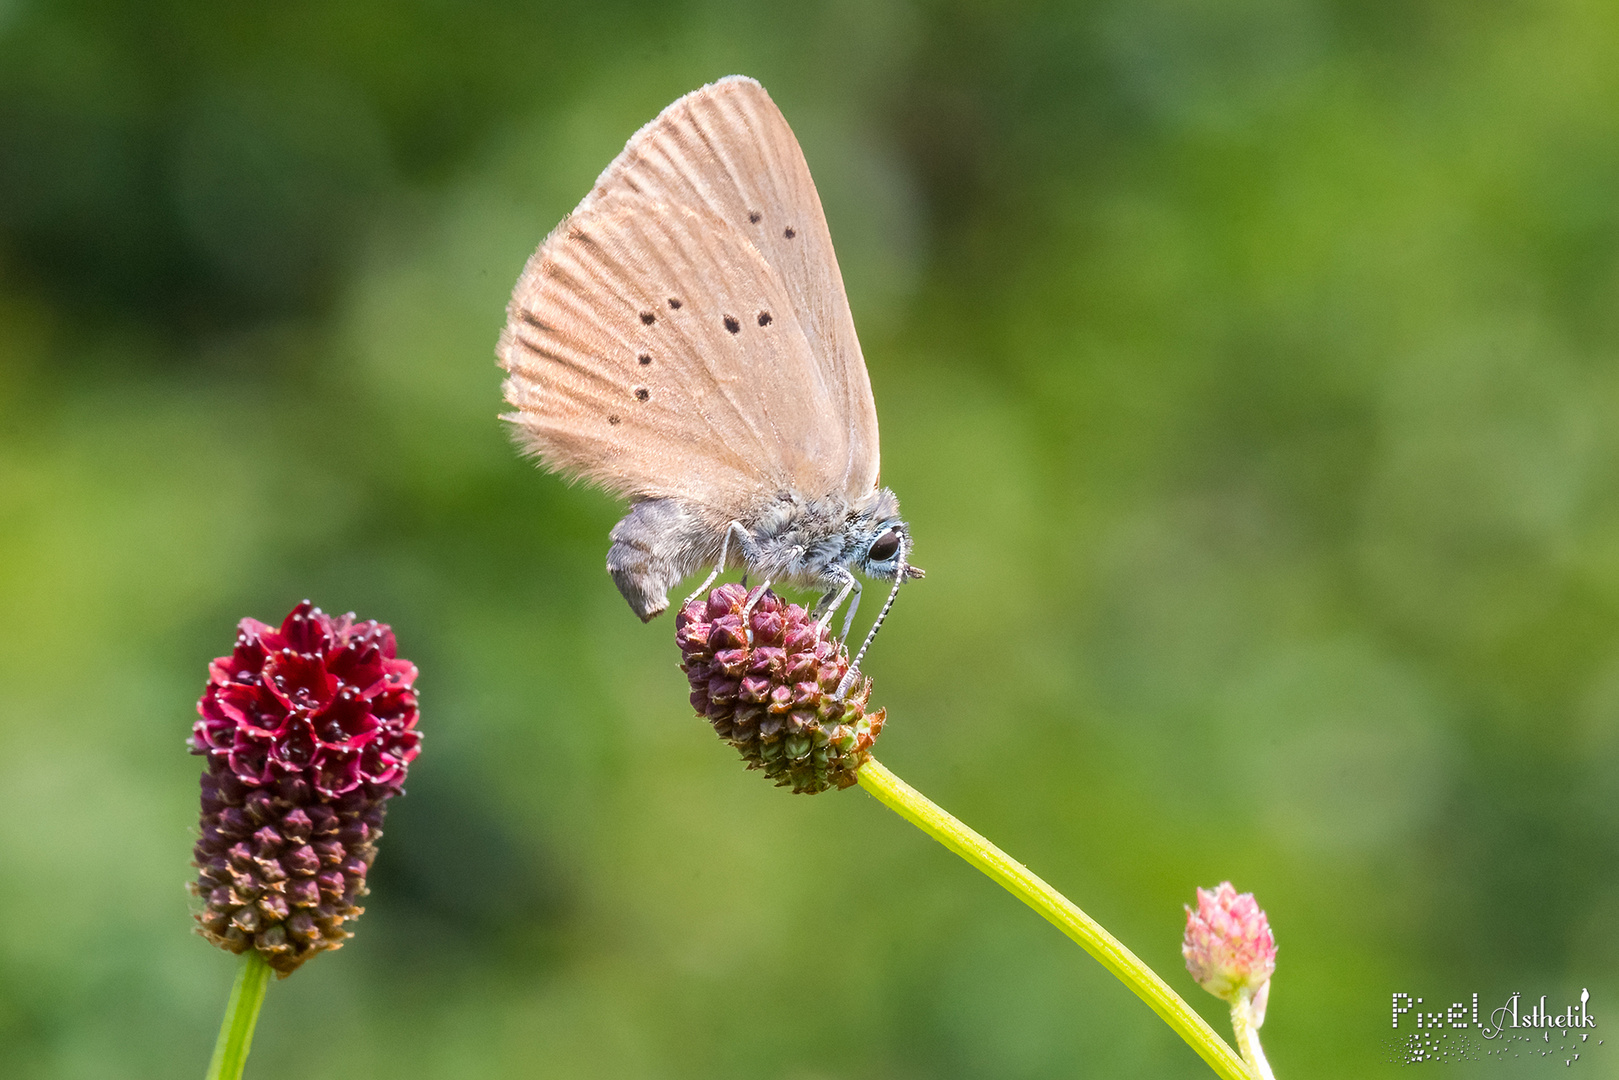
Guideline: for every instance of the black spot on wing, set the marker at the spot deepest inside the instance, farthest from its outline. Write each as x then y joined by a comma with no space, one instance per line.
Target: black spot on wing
648,318
764,318
642,393
788,232
732,325
612,420
644,359
753,217
674,305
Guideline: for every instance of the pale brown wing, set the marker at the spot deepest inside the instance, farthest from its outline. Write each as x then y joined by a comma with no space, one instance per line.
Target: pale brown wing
653,351
727,150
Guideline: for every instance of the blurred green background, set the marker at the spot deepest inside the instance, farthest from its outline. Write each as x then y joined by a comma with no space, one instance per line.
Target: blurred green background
1247,371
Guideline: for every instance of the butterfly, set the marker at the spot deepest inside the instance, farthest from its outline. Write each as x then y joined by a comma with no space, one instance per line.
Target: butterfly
683,339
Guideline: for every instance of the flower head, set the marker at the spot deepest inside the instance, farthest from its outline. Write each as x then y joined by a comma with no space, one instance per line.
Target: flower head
1229,947
308,730
769,684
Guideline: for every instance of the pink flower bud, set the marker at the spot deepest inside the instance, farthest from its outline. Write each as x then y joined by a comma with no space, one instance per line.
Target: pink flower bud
1229,948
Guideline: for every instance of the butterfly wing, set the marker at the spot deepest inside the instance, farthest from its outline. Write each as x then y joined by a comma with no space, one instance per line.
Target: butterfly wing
727,147
736,233
652,351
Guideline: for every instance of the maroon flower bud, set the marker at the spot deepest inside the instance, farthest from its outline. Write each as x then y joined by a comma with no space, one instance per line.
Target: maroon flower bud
1229,947
308,731
768,685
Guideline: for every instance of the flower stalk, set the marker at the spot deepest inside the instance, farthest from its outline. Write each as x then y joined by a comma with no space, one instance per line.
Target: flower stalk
781,690
306,731
1246,1015
1230,951
241,1015
1058,910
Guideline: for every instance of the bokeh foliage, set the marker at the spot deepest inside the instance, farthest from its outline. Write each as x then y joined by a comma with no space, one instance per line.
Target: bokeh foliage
1246,367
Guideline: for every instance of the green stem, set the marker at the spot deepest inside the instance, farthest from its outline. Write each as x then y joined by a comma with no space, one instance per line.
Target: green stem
1247,1032
241,1013
1013,876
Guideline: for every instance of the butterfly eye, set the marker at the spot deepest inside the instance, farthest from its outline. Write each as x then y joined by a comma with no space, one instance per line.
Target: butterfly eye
885,547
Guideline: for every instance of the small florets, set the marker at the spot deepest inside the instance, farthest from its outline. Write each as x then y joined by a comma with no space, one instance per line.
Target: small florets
1229,947
769,685
308,730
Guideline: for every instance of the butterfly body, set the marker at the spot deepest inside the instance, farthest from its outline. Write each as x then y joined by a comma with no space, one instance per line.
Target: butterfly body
683,339
790,540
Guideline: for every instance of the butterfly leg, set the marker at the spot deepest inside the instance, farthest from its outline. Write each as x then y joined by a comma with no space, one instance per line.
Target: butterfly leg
854,606
719,567
754,596
849,584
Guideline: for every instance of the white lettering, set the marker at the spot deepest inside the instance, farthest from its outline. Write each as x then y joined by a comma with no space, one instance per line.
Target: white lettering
1509,1014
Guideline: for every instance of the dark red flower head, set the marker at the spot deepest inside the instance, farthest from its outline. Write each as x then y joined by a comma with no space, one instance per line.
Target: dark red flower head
308,730
768,684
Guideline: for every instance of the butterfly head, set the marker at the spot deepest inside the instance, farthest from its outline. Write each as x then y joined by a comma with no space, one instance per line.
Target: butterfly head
883,550
877,541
